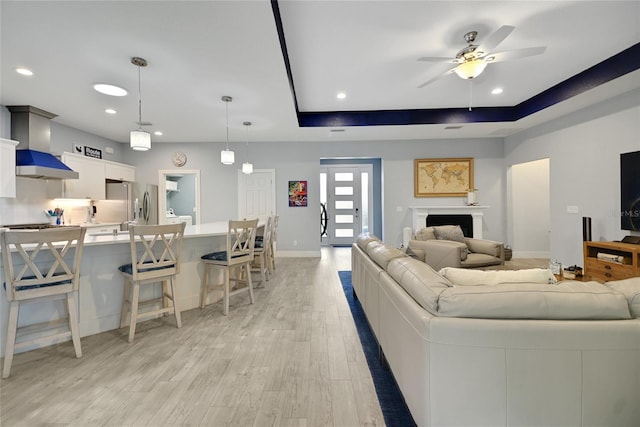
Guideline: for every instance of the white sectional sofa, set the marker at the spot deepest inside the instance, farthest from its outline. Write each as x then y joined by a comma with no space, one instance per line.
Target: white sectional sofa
524,354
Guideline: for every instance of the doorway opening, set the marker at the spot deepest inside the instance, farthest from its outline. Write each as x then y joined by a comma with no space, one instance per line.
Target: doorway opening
350,200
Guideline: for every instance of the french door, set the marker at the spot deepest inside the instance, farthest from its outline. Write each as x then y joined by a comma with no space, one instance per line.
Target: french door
347,194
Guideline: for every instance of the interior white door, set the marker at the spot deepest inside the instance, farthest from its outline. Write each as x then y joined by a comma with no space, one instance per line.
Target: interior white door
349,198
257,193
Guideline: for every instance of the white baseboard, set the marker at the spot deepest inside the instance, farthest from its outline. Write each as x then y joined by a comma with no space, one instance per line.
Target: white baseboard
298,254
526,254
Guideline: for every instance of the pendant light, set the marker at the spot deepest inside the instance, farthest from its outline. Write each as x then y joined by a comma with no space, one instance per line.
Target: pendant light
247,167
139,139
227,157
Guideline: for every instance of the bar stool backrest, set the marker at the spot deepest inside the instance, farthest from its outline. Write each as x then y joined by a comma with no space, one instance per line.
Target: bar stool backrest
41,263
241,239
159,253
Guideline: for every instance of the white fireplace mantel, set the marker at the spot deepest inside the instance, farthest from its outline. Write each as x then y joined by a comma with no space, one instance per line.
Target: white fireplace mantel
420,214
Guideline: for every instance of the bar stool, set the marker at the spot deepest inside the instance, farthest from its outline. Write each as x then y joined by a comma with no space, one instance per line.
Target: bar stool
262,250
158,261
237,258
41,266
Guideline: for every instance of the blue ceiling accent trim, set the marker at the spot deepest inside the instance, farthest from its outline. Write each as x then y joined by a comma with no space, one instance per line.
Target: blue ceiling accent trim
616,66
404,117
285,53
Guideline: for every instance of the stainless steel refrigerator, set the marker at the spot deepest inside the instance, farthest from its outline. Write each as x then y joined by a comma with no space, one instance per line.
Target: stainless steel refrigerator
131,201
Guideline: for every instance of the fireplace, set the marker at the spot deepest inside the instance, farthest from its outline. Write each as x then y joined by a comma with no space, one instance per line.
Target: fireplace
421,213
464,221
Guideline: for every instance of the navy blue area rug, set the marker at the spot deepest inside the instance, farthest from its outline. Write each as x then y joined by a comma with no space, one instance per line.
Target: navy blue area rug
394,409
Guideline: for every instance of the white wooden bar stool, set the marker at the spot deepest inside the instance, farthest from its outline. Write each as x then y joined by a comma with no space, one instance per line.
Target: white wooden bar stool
272,243
237,258
41,266
157,261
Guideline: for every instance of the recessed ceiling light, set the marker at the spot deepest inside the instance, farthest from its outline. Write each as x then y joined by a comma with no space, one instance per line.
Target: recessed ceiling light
109,89
110,111
497,91
341,95
24,71
158,133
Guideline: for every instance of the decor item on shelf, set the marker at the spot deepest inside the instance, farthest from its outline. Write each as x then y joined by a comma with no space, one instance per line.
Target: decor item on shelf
139,139
471,197
227,157
247,167
443,177
297,193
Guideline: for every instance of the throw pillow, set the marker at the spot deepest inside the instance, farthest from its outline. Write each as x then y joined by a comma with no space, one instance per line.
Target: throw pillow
449,232
426,233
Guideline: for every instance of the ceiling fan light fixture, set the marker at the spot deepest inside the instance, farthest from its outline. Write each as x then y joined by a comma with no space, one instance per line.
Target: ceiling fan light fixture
470,69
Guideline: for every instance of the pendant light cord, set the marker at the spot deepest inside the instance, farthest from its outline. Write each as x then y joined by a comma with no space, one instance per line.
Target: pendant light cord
139,101
227,106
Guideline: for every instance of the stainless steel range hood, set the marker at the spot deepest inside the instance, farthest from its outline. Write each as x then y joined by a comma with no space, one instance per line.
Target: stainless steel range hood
31,127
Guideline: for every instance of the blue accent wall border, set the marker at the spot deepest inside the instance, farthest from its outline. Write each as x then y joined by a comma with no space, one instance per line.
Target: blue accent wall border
612,68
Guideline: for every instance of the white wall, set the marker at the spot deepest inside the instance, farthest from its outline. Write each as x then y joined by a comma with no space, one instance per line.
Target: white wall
584,150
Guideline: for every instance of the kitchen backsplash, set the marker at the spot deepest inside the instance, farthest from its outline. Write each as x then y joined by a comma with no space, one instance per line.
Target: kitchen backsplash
31,201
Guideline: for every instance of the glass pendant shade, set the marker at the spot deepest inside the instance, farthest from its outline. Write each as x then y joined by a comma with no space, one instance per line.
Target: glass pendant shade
247,168
140,140
470,69
227,157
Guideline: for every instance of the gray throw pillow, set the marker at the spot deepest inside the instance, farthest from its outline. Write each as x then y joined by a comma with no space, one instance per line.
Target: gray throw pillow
449,232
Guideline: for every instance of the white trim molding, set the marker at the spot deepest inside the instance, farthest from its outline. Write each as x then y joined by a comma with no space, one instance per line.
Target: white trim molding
420,214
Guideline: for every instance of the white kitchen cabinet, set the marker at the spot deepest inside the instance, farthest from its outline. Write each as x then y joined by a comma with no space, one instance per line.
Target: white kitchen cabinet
8,167
93,173
91,183
120,172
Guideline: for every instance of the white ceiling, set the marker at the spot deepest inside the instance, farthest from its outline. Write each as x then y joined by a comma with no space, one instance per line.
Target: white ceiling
199,51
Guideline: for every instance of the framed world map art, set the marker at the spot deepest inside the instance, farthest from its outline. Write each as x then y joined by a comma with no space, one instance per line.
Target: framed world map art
443,177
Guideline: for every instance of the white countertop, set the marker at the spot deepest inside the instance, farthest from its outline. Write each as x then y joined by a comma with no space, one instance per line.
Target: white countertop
218,228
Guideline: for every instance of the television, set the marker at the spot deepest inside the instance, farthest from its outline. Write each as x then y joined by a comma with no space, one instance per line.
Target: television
630,191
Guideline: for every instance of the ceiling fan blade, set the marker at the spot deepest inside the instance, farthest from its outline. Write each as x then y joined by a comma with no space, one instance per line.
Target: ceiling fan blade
436,59
439,76
494,39
508,55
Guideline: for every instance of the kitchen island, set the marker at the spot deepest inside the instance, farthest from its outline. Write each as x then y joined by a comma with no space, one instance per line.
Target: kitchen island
101,284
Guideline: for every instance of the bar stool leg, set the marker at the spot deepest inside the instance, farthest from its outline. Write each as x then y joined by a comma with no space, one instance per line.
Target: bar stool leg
126,303
204,292
175,304
72,309
227,289
11,338
249,282
134,311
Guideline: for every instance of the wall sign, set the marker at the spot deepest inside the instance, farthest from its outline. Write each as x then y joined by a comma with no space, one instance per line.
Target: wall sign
92,152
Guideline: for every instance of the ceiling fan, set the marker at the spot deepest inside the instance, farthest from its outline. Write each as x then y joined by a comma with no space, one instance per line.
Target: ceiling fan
473,59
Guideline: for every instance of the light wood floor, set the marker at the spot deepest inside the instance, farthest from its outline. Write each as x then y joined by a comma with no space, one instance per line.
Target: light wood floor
293,358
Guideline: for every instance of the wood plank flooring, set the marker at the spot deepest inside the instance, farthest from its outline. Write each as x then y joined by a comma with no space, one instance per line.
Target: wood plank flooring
291,359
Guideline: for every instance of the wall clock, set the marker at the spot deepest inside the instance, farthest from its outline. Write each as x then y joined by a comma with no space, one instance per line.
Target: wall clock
179,159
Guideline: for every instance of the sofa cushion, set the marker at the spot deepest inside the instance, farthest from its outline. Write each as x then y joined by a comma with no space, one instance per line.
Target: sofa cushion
449,232
488,247
419,280
415,253
630,288
382,253
423,247
363,240
426,233
466,277
567,300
